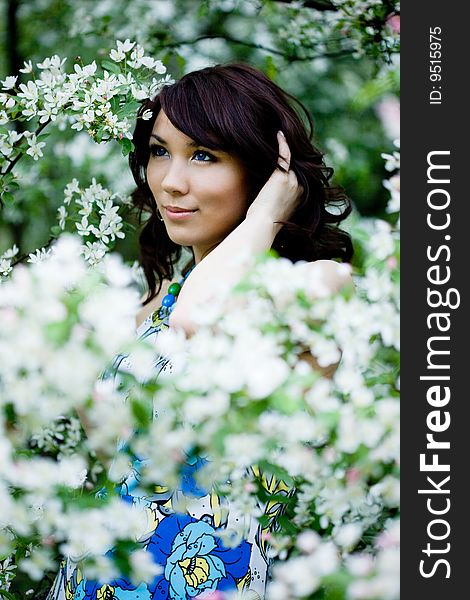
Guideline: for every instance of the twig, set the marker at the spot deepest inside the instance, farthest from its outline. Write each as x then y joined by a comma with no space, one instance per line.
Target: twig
289,57
316,4
24,257
13,162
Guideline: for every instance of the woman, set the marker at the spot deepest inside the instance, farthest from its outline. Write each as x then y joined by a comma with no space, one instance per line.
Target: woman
225,167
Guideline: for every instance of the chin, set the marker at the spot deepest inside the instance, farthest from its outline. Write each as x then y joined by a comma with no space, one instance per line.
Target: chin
180,238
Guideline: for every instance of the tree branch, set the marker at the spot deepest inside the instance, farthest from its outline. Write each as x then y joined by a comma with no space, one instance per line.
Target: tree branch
24,257
17,158
316,4
286,55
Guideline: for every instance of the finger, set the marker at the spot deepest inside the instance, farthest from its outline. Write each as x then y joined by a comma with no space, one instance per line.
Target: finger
284,152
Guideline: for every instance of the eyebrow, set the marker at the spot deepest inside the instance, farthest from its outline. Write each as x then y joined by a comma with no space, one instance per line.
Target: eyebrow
191,144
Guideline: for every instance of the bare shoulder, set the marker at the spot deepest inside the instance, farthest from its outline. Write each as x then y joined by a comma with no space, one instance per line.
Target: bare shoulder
152,306
335,275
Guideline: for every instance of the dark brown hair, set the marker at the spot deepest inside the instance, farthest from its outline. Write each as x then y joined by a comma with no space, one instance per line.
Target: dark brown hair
237,109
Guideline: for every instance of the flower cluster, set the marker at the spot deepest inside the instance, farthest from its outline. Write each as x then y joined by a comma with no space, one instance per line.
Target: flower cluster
93,213
301,30
6,261
290,389
361,26
62,324
101,100
36,369
60,439
245,384
373,23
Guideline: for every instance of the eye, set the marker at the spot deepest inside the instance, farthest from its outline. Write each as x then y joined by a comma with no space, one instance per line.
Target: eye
203,156
157,150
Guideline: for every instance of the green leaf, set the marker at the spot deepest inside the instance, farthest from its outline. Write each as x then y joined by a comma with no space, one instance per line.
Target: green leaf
286,525
276,470
8,198
126,146
115,104
8,179
58,333
203,9
130,108
56,230
285,403
336,585
142,414
181,62
270,68
111,67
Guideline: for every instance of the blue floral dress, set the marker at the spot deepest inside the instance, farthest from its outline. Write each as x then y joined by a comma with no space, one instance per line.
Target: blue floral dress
187,546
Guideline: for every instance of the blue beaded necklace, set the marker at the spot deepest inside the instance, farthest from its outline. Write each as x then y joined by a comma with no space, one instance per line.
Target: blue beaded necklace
161,315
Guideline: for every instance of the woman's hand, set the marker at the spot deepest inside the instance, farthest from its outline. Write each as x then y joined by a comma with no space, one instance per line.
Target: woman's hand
280,195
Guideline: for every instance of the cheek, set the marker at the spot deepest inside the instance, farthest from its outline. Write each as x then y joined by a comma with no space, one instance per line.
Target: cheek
234,205
232,188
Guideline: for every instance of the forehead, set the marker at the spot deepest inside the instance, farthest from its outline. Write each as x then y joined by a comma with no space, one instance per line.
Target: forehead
165,129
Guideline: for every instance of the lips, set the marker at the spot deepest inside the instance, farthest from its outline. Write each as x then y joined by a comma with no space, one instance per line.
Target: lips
178,212
178,209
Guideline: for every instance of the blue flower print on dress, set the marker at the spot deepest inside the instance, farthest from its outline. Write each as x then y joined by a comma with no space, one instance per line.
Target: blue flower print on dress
96,591
195,559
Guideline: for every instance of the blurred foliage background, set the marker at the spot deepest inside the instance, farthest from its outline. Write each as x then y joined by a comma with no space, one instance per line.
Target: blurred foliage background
345,72
340,59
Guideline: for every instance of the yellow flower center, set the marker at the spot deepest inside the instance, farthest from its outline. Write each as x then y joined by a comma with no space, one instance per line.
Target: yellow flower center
195,570
106,592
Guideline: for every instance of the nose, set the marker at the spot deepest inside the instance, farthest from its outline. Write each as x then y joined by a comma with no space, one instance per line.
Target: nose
175,180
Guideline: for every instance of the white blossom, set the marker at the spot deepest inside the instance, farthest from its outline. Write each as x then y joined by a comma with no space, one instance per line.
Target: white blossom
62,215
144,567
5,267
9,82
117,56
392,161
93,252
35,147
381,242
28,67
125,46
11,252
72,188
86,71
83,228
347,536
393,186
29,92
39,255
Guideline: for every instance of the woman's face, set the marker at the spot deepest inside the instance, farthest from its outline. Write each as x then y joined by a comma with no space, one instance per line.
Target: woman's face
200,193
